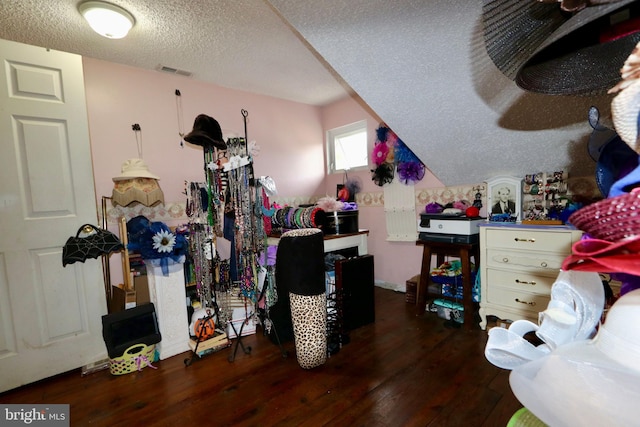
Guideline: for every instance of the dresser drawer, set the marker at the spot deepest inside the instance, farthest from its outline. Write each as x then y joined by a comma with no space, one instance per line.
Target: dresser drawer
529,240
520,281
501,258
519,265
517,300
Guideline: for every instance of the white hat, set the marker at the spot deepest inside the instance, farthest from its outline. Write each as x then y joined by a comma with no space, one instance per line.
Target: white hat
577,301
590,382
135,168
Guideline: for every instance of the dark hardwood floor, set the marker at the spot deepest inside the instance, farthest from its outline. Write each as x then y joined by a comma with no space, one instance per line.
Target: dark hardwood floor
402,370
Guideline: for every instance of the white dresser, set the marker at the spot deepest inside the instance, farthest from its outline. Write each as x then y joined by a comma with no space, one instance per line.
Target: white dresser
519,263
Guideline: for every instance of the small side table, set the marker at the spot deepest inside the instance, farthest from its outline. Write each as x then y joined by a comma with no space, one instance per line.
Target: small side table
464,251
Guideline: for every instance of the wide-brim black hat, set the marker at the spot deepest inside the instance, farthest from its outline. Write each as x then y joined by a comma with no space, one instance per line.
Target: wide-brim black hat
547,50
206,133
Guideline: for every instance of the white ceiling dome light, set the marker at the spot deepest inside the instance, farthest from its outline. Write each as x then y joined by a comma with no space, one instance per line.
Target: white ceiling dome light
107,19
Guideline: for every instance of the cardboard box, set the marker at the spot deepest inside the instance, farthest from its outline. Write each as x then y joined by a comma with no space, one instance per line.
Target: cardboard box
141,287
121,299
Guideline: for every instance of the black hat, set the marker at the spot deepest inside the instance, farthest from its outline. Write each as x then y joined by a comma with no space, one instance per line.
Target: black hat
206,133
548,50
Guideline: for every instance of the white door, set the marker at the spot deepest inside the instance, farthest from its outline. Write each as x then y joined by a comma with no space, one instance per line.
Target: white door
50,316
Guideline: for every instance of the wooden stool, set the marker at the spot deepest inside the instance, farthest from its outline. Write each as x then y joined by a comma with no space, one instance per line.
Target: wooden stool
464,251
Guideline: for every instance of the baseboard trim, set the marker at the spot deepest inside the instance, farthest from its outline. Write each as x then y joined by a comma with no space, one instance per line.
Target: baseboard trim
392,286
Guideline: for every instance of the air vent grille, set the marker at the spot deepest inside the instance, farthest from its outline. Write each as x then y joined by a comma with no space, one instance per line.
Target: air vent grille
172,70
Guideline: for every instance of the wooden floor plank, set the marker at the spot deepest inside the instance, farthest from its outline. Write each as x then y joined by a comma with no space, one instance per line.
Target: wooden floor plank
402,370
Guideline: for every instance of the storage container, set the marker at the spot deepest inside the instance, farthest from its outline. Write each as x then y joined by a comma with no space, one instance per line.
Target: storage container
341,222
135,358
449,310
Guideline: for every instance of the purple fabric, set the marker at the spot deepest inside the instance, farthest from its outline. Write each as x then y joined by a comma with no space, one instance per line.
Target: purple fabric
624,185
433,207
270,256
629,282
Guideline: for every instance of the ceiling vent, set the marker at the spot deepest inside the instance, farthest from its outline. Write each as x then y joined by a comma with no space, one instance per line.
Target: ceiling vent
177,71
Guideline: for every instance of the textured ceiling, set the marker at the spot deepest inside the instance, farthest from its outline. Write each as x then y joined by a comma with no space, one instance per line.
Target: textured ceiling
239,44
420,65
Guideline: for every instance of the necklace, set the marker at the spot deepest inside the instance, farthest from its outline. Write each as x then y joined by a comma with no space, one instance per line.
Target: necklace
180,117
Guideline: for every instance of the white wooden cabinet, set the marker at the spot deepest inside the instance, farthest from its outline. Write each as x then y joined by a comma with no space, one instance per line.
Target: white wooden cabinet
519,264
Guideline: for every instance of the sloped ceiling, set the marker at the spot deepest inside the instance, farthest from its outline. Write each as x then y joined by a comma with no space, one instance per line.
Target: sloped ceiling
423,68
420,65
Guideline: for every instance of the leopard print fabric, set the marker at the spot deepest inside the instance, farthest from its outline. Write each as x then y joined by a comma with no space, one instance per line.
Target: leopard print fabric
309,316
301,232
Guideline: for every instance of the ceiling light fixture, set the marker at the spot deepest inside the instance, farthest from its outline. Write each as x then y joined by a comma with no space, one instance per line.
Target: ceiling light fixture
107,19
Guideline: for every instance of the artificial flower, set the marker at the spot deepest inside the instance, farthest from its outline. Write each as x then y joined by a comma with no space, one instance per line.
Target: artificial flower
164,241
330,204
354,185
392,139
391,157
155,242
410,172
404,154
434,208
380,152
383,174
381,132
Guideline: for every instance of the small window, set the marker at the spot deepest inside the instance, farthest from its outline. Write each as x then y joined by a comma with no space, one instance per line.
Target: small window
347,147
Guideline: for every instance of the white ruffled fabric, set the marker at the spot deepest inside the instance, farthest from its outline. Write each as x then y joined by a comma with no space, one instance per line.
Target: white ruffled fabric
575,309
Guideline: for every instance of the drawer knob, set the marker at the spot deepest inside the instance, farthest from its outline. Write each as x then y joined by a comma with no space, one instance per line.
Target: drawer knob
524,282
530,239
531,303
505,259
544,264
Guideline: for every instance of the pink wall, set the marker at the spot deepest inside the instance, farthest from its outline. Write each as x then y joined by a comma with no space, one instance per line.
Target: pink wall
395,262
290,136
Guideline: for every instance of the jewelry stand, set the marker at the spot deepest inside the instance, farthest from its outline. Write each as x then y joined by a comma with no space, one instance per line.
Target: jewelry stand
249,236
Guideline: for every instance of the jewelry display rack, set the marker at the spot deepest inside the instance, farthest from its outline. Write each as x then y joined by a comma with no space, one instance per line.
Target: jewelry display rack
232,188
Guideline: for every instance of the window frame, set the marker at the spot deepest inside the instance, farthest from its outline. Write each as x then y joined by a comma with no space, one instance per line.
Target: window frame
344,131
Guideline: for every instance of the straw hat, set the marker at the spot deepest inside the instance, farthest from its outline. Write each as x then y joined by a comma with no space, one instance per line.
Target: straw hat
590,382
612,219
135,168
549,51
626,104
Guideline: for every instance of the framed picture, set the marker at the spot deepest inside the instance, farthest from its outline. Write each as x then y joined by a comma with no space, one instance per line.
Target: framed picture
504,203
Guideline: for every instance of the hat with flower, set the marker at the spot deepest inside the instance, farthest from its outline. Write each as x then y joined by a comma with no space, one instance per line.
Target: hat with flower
155,242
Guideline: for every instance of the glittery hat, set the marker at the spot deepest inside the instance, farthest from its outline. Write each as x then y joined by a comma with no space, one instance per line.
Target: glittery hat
549,50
